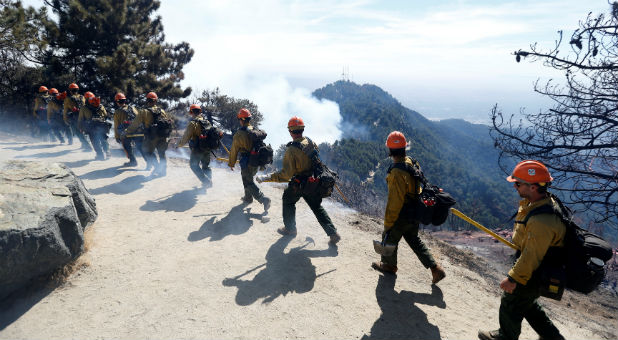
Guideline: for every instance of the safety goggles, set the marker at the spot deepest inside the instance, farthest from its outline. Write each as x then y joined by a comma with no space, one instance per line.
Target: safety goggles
196,111
121,101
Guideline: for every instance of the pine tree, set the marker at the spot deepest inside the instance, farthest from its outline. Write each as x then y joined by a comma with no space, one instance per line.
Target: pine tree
107,46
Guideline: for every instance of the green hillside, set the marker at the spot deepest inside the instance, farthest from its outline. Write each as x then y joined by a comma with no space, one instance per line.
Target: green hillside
454,154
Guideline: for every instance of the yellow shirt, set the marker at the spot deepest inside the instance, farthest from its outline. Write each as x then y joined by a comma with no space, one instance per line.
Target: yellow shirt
72,104
40,104
401,186
295,161
241,143
88,112
121,115
534,238
54,109
193,130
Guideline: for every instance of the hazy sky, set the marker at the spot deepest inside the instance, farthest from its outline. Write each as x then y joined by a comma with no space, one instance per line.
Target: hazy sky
444,59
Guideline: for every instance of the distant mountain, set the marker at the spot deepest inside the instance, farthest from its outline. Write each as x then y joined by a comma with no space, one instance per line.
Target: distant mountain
454,154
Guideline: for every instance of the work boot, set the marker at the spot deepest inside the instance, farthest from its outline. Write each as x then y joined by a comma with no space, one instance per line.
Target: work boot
266,203
490,335
247,199
334,238
99,157
132,162
286,232
384,268
437,274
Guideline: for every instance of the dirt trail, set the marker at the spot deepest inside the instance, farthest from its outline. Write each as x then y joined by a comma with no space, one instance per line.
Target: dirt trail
167,261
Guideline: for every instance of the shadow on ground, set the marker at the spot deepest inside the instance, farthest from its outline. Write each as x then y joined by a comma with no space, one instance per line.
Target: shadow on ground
179,202
282,273
401,318
236,222
29,146
126,186
46,154
22,300
102,173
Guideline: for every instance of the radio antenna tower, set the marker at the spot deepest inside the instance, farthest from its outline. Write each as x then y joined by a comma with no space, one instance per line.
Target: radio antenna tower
345,74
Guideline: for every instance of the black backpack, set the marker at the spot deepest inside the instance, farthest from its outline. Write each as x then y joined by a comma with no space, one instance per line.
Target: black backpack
209,138
432,205
322,180
161,125
579,265
260,153
130,118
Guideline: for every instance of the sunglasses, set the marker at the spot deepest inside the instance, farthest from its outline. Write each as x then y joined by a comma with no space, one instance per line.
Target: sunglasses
122,101
518,184
196,111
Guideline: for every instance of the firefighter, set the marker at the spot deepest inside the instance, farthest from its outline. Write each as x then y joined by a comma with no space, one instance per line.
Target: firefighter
72,104
124,115
403,189
54,116
241,146
157,127
201,147
93,121
521,289
40,127
297,167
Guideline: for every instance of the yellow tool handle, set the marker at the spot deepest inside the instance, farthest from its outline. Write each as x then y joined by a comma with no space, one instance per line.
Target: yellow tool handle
228,151
341,193
135,135
478,225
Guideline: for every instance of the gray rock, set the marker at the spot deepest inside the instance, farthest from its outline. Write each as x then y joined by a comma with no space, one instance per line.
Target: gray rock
44,210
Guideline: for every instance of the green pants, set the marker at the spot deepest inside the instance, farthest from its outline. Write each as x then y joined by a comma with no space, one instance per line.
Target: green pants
160,145
409,231
251,190
523,304
290,197
199,161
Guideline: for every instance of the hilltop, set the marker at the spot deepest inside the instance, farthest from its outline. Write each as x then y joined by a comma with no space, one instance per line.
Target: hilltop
166,260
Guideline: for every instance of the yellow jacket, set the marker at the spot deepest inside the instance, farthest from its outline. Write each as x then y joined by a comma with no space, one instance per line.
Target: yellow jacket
295,161
534,238
193,130
401,186
72,104
54,109
241,143
144,118
40,104
88,112
121,115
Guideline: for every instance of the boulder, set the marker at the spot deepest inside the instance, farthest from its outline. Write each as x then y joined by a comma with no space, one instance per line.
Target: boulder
44,210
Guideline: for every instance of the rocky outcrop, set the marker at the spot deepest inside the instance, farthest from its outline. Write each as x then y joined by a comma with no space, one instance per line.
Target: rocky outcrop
44,210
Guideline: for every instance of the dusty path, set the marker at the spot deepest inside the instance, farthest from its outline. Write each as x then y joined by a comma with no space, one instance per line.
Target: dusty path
166,261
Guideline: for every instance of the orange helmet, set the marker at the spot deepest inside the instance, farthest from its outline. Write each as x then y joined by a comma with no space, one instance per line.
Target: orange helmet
88,95
529,171
52,91
243,114
73,86
119,96
396,140
152,95
195,107
295,123
94,101
42,89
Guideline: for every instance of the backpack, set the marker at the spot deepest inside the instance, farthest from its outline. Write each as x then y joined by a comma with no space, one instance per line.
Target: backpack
97,122
321,181
579,265
260,153
161,125
130,118
432,205
209,138
76,106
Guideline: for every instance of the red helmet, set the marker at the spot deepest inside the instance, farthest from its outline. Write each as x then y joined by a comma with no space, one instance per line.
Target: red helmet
88,95
42,89
296,123
152,95
529,171
73,86
243,113
396,140
52,91
94,101
61,96
119,96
